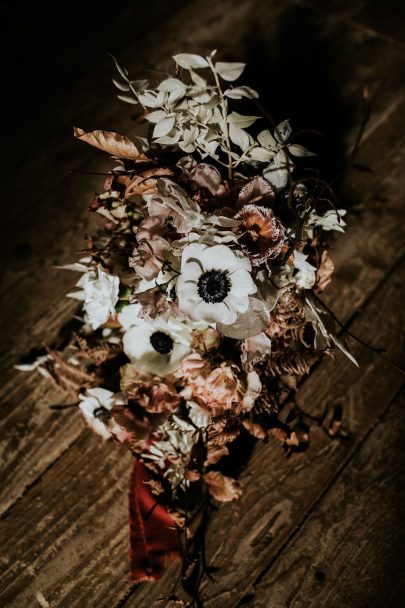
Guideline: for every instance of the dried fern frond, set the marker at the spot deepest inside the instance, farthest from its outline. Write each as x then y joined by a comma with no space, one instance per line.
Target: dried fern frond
290,315
98,354
297,363
65,375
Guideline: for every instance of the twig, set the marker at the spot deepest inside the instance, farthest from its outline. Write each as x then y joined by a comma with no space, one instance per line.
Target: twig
378,350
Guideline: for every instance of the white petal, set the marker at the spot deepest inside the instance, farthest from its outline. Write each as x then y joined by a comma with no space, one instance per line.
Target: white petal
219,257
237,304
212,313
192,251
192,270
137,340
242,283
129,316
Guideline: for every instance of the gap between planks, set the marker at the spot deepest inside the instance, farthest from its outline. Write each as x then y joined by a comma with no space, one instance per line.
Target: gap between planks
325,491
294,576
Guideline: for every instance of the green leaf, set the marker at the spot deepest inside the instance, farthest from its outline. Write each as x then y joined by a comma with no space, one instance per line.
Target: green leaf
156,116
171,84
128,99
239,137
266,139
239,92
150,100
164,127
197,79
297,150
240,120
122,71
261,154
189,61
229,71
121,86
283,131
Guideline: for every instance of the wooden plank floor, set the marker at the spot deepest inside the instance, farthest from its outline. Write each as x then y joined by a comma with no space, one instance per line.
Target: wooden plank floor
320,529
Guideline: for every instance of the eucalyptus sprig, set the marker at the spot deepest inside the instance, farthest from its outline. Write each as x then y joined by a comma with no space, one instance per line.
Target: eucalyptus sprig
191,112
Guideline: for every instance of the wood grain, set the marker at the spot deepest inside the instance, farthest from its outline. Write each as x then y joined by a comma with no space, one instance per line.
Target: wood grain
64,496
81,488
350,551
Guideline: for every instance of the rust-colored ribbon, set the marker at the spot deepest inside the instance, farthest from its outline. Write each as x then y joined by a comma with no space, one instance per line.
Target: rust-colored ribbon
153,536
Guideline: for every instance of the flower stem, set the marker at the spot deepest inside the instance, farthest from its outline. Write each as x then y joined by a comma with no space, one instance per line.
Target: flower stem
224,111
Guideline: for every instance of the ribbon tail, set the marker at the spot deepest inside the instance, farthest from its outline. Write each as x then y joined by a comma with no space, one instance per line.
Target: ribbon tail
153,537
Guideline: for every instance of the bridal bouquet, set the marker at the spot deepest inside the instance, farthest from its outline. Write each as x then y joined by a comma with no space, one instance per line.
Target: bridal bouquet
200,298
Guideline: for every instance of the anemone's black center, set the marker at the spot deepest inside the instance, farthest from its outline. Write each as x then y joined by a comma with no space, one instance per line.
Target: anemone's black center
161,342
101,412
213,286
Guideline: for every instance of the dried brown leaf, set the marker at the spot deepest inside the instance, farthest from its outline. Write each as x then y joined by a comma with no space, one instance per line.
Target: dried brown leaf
215,453
222,488
112,143
324,272
255,429
279,434
293,440
192,475
332,422
222,437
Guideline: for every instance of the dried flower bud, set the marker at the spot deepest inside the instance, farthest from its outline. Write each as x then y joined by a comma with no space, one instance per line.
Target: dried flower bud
205,340
261,234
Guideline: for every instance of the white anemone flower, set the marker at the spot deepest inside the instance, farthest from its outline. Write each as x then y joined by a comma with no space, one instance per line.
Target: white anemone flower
304,273
128,317
95,406
157,347
99,291
214,284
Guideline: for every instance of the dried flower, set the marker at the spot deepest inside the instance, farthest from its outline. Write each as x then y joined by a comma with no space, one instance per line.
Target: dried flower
261,234
172,206
154,394
256,190
222,389
221,487
148,257
100,294
95,406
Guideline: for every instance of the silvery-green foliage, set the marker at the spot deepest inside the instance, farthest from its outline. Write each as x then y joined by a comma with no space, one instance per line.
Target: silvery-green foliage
331,220
133,87
324,327
193,114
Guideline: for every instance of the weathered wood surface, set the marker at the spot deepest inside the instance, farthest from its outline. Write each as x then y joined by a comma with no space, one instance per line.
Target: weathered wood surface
67,536
42,436
349,552
278,492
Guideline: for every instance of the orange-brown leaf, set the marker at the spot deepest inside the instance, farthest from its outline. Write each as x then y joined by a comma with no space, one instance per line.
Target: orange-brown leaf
222,488
112,143
222,437
215,453
324,272
255,429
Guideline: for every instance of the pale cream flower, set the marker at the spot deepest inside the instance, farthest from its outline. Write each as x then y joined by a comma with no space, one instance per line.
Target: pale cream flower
95,406
99,291
214,284
157,347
